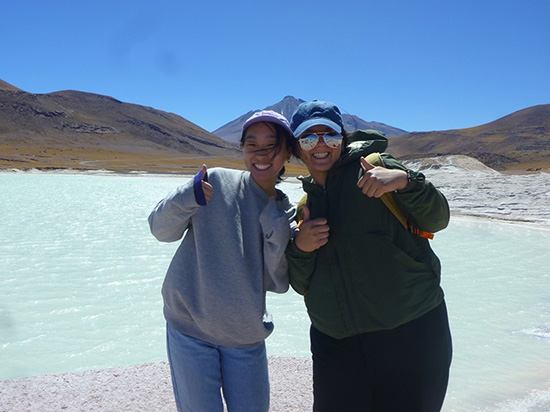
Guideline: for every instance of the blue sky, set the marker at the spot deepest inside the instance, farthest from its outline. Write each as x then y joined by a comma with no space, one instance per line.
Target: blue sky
416,65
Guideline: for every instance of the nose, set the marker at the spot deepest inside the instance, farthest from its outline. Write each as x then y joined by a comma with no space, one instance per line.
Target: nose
321,140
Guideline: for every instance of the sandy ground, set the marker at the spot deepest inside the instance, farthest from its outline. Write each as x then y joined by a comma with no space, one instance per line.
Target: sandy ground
140,388
472,190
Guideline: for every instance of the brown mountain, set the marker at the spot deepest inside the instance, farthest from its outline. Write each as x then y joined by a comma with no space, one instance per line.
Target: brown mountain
84,130
71,129
232,130
517,142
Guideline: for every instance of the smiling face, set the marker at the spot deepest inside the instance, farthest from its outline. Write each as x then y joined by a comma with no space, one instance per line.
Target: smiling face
264,156
321,158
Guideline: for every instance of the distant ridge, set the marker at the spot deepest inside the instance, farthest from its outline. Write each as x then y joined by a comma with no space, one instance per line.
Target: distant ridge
87,126
78,130
231,131
518,140
70,116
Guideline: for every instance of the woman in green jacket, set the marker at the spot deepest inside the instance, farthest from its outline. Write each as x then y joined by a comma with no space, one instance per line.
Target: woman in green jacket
380,335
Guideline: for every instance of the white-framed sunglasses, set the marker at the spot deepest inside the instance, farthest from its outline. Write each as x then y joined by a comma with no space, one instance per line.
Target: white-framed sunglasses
331,139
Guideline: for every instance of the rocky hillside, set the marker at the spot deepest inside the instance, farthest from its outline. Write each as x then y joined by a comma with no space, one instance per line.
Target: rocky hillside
91,127
519,141
7,86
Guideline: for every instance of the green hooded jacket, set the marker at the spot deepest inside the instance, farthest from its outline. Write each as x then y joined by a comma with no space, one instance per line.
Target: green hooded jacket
373,274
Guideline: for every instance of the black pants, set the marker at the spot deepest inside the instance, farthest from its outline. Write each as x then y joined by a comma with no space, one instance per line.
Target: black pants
405,369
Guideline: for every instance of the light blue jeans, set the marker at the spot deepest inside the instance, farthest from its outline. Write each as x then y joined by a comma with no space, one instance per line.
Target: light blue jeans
199,369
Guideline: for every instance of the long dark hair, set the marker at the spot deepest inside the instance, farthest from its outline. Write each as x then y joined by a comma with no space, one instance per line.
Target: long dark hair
283,137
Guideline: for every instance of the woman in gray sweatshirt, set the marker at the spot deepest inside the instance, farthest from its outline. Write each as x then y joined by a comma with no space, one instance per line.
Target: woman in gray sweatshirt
235,227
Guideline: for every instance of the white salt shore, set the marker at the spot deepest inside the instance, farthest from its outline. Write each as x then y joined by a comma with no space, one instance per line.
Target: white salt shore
472,190
140,388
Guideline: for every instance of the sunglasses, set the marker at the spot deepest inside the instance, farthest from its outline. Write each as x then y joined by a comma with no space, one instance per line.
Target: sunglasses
332,140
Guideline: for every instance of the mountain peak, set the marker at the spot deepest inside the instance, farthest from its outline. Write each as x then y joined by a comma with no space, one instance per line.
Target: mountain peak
231,131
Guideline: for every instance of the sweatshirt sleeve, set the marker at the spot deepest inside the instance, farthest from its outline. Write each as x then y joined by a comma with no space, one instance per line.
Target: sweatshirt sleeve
425,206
301,266
171,216
278,223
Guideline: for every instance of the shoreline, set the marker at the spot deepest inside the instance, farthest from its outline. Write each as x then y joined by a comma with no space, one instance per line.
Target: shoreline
472,189
145,387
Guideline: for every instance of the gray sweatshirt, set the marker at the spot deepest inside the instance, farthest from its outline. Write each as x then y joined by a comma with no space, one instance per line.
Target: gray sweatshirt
233,251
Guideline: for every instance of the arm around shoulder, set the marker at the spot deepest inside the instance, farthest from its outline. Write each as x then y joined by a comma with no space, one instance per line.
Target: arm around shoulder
420,200
426,206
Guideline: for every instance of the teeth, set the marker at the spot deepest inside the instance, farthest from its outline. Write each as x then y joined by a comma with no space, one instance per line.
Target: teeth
261,167
320,155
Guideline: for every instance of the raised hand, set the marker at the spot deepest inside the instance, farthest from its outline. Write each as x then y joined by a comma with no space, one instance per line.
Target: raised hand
378,180
313,233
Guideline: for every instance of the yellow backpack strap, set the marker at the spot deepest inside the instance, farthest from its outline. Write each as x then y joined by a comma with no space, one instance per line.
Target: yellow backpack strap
376,160
300,209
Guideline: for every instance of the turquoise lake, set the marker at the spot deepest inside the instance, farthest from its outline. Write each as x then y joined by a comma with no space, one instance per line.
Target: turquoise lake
80,278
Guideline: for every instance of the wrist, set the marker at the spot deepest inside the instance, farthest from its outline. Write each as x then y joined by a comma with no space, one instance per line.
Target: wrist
405,179
295,242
